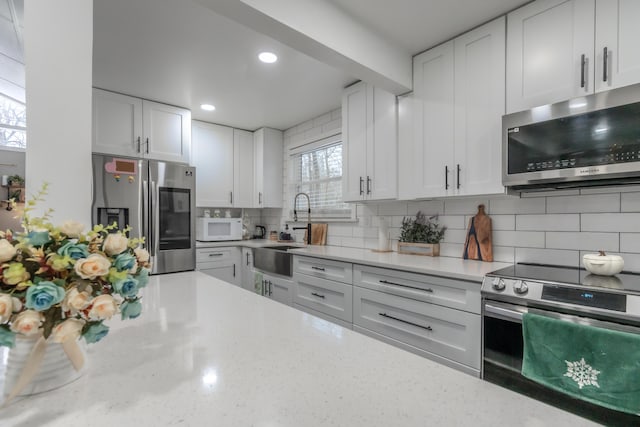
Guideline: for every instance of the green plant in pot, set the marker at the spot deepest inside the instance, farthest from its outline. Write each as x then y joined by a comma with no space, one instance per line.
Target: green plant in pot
421,235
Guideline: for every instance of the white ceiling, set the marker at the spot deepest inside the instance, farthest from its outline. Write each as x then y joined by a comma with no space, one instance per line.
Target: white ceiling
182,53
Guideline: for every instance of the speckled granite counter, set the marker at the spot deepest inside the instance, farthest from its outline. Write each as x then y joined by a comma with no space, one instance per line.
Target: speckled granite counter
207,353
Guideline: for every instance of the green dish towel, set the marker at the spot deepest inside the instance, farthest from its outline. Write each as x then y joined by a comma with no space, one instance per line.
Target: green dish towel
594,364
257,282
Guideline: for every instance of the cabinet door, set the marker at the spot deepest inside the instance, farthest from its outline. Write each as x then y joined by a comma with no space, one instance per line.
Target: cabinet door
246,271
433,121
117,124
279,289
268,168
167,132
479,106
226,273
382,146
406,146
354,142
243,168
546,41
213,159
618,32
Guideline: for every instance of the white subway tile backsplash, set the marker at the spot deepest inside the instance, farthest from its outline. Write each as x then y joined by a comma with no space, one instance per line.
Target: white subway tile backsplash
455,222
428,207
465,206
514,205
366,232
525,239
631,261
584,204
549,222
548,256
340,230
451,249
353,242
608,190
455,236
503,254
630,202
366,210
395,208
582,241
503,222
620,222
630,242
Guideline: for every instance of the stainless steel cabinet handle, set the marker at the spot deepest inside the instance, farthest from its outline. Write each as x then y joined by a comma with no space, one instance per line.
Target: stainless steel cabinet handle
446,177
317,295
458,176
247,258
270,289
234,270
216,254
147,143
138,144
361,184
231,197
428,328
605,63
264,287
317,268
583,63
386,282
259,198
368,185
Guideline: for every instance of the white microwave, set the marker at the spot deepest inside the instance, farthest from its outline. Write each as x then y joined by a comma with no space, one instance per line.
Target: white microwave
217,229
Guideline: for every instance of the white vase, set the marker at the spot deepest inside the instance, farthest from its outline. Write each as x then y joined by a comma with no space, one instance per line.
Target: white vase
55,370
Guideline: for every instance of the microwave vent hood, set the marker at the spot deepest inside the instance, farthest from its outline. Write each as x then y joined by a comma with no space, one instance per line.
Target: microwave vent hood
588,141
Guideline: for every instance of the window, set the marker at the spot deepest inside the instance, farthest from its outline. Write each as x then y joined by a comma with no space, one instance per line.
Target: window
13,122
317,171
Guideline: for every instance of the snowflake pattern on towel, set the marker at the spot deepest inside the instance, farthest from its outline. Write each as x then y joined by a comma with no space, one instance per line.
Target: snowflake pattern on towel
582,373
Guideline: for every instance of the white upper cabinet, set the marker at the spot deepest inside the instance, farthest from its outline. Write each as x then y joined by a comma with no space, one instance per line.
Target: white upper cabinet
129,126
268,145
479,106
243,169
456,112
406,147
213,159
369,133
433,124
549,52
117,124
167,132
617,57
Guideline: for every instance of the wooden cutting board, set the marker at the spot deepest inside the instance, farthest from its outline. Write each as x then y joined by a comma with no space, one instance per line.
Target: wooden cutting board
478,242
318,234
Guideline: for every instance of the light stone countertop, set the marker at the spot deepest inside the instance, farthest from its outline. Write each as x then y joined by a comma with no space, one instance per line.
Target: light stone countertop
456,268
207,353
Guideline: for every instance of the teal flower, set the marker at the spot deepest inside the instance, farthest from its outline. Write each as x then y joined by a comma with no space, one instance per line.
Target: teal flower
43,295
74,251
95,333
38,238
131,309
127,287
124,261
7,337
143,277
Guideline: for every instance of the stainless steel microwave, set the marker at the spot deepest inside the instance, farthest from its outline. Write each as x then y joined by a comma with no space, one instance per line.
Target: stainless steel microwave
586,141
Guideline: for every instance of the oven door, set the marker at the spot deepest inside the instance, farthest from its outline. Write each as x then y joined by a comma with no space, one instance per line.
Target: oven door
502,359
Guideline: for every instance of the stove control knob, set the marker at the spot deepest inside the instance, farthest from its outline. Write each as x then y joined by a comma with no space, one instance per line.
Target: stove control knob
498,284
520,287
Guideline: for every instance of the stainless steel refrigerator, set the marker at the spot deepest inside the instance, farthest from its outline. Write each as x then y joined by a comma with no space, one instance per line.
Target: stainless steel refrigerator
157,199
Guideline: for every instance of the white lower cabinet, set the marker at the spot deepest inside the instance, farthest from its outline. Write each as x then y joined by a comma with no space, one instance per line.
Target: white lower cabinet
326,296
246,269
274,287
222,263
444,334
318,314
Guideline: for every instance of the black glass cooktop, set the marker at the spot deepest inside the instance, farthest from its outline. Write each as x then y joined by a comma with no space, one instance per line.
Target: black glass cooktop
624,282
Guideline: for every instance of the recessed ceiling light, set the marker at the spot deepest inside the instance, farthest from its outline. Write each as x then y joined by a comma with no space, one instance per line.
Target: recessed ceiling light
268,57
207,107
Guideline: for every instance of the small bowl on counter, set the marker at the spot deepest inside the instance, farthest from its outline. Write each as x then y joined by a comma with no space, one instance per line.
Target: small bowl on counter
603,264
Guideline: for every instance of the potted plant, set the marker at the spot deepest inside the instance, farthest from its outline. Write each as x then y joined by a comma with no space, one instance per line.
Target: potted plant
421,235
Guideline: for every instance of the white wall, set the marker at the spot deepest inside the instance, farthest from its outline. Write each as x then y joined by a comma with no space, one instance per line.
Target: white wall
554,227
58,58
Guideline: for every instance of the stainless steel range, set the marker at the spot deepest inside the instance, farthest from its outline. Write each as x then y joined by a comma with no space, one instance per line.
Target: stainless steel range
565,293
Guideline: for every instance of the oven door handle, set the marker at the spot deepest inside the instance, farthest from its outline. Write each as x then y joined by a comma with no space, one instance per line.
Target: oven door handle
503,312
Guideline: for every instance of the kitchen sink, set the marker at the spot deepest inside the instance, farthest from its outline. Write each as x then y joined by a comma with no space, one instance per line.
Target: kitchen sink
274,259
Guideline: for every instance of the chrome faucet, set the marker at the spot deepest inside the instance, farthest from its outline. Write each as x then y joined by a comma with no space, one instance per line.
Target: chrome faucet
295,215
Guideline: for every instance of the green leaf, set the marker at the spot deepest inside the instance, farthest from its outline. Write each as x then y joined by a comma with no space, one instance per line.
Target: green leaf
50,317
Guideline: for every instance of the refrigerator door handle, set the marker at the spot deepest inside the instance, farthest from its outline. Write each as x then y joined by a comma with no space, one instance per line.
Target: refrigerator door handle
154,225
146,213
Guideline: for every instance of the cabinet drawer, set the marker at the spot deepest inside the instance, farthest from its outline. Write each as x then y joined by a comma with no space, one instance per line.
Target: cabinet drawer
449,333
323,316
458,294
221,255
325,296
326,269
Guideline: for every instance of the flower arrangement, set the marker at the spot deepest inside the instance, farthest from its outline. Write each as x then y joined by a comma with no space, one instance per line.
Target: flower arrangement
421,229
62,283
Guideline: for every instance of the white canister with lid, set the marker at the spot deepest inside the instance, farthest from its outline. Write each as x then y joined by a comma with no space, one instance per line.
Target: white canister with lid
603,264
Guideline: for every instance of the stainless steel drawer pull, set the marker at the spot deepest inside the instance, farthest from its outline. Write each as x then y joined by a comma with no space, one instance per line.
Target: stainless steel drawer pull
317,295
317,268
270,289
386,282
428,328
605,63
583,63
216,254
